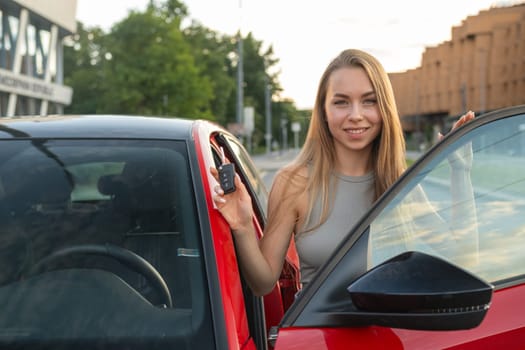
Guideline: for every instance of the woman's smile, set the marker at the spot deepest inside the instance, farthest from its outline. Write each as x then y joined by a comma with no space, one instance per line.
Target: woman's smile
355,131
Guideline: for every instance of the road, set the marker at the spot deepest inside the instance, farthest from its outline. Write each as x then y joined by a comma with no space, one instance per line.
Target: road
268,164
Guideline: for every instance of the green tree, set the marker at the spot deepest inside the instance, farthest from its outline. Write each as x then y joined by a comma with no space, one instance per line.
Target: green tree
148,64
82,57
152,70
169,10
285,110
212,53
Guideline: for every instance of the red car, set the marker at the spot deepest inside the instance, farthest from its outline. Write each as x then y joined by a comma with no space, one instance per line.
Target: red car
109,240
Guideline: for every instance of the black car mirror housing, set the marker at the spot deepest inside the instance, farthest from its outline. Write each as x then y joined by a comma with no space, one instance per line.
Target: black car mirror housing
415,290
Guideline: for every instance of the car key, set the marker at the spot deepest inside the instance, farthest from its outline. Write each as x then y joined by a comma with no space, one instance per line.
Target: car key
226,175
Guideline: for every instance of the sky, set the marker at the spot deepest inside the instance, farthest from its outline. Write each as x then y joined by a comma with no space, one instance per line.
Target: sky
306,35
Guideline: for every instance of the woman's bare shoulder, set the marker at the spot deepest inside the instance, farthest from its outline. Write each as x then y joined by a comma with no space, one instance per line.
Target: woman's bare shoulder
288,197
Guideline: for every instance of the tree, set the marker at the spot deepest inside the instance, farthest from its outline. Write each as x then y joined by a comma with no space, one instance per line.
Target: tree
149,65
212,53
152,70
82,57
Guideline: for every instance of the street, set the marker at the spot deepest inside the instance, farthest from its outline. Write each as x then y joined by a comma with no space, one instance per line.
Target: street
268,164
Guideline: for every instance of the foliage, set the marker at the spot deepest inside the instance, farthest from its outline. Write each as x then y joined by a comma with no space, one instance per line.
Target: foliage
152,71
82,55
212,53
150,64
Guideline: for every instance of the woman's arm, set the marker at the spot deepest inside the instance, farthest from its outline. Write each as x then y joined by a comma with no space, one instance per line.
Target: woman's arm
463,216
464,223
261,261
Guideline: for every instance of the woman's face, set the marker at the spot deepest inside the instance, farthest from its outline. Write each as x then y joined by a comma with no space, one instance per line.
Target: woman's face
352,111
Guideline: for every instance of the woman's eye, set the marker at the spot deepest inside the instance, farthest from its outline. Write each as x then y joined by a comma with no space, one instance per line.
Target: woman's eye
370,102
340,102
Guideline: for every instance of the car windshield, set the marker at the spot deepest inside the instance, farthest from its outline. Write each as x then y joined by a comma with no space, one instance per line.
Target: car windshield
97,236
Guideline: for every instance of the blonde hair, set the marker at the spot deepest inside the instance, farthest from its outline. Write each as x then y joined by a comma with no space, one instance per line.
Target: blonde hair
318,154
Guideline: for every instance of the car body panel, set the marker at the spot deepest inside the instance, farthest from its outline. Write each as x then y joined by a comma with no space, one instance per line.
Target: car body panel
99,126
503,327
227,270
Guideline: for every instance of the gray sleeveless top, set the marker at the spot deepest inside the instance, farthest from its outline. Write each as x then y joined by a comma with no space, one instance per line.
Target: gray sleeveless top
354,195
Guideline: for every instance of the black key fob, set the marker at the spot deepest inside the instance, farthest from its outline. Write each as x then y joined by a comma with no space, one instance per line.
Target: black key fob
226,177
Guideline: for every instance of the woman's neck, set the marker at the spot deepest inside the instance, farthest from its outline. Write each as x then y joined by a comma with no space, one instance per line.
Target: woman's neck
354,163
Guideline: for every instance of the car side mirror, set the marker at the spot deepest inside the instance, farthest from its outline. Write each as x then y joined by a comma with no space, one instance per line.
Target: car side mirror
415,290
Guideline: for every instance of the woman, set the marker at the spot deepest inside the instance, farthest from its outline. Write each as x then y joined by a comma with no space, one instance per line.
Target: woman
353,152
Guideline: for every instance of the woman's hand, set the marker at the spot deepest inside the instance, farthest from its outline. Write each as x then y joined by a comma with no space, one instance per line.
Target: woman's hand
235,207
465,118
461,159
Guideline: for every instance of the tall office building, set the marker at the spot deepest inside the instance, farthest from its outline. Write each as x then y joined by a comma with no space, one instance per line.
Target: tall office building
31,55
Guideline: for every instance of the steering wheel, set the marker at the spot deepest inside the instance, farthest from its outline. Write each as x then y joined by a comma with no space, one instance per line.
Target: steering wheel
128,258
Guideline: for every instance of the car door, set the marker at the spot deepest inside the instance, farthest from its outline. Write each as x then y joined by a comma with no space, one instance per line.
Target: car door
281,297
458,212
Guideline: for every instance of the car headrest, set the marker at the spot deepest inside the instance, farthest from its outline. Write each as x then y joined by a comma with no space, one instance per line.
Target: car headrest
52,185
139,187
110,185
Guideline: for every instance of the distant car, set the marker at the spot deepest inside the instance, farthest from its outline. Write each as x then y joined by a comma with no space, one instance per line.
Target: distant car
109,239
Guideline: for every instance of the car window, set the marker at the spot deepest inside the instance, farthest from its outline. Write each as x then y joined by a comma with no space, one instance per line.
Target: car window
101,203
86,177
484,233
252,174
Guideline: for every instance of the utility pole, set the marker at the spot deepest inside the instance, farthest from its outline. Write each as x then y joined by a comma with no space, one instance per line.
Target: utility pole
240,72
268,103
284,130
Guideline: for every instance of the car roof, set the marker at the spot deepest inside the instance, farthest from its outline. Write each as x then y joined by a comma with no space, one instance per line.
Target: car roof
96,126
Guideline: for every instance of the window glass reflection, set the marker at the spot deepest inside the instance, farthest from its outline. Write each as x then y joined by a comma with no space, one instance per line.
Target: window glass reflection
483,233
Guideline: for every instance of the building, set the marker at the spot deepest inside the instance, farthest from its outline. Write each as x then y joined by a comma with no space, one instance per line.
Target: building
481,68
31,55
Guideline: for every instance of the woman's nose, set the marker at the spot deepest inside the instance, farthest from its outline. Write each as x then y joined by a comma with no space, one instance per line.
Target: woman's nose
354,112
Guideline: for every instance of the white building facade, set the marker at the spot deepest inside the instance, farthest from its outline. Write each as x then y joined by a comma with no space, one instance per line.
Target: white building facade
31,56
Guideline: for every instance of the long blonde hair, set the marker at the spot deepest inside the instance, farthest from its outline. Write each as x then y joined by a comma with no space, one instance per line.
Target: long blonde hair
318,154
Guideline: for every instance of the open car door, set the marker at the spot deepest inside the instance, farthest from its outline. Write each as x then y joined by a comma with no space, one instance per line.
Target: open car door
437,262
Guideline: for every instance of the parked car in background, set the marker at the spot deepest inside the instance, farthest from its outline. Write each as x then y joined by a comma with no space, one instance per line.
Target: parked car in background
109,239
